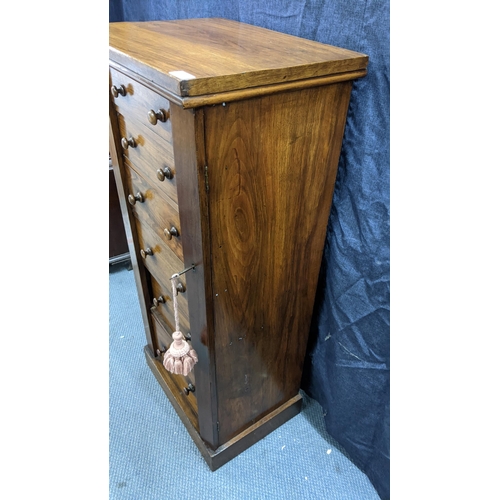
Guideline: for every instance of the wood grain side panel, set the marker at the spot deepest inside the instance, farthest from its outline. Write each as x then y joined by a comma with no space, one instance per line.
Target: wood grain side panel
272,163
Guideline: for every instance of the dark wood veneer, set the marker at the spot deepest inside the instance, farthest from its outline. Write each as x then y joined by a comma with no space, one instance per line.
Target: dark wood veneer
269,206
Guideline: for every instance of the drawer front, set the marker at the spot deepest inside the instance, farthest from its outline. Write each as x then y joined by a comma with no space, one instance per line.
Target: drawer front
152,208
163,306
180,381
162,263
138,102
151,155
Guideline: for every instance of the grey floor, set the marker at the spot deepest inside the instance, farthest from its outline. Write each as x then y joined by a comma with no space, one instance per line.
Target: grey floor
152,457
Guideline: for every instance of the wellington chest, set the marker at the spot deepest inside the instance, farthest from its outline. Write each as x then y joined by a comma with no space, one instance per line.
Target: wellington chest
225,140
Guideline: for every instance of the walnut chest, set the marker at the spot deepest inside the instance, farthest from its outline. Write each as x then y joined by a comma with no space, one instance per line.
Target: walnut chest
225,140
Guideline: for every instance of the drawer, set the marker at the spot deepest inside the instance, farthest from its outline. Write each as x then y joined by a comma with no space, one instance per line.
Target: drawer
163,306
152,207
181,383
162,263
151,155
138,102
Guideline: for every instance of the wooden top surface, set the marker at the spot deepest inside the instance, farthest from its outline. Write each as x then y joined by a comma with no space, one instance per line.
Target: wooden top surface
192,57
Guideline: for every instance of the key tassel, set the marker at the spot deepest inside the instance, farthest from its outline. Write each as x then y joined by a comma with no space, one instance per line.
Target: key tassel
180,358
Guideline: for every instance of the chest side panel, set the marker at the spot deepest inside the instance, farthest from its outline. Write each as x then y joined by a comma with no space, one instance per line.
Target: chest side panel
272,163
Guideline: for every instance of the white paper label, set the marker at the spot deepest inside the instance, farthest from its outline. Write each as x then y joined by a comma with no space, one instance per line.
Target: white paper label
181,75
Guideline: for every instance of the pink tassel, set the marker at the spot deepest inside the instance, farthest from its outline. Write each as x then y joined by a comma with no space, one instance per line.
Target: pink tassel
180,358
168,362
188,364
178,367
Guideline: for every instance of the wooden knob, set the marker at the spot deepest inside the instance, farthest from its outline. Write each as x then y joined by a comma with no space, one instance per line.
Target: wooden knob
180,287
154,116
170,232
165,173
145,253
159,300
116,91
138,197
188,389
128,142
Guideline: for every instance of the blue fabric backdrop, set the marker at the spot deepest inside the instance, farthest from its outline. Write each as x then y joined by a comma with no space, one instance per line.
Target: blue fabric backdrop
347,366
